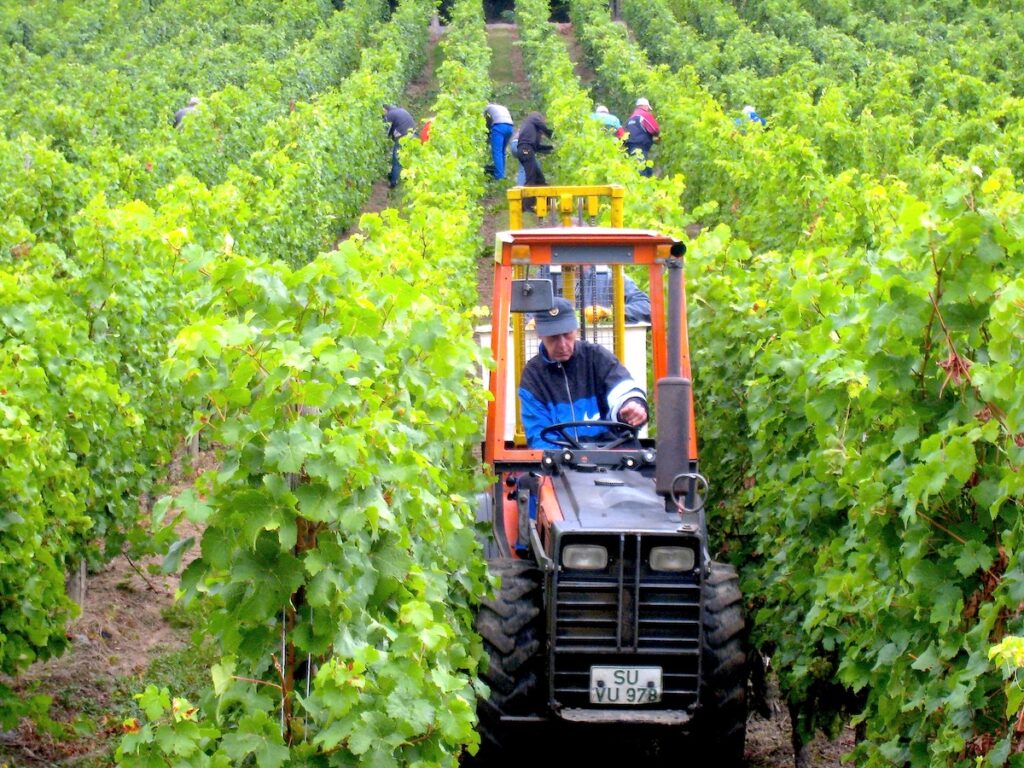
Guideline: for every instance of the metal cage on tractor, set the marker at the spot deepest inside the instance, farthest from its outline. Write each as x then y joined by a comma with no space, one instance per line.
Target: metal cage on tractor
610,610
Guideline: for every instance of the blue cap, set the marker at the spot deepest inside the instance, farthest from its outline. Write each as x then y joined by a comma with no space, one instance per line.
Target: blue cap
561,318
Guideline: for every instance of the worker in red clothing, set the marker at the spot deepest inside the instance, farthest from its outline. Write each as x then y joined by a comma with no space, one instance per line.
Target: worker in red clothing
640,132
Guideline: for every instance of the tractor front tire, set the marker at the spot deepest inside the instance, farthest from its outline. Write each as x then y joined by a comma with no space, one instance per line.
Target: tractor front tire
723,712
511,626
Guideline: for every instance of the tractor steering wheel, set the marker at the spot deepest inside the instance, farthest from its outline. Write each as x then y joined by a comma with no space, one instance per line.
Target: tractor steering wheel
620,433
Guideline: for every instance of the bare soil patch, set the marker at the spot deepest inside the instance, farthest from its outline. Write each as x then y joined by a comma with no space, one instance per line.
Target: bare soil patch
127,620
769,740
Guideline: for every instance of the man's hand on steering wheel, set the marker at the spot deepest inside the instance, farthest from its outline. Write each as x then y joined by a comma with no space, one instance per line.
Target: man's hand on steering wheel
633,412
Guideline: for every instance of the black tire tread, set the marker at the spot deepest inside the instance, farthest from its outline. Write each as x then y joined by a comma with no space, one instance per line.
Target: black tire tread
510,624
723,714
731,624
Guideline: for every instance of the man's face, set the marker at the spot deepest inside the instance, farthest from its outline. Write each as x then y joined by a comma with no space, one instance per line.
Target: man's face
559,348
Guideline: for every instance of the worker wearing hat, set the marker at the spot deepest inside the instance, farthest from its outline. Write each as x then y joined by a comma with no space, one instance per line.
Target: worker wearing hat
606,118
570,380
640,132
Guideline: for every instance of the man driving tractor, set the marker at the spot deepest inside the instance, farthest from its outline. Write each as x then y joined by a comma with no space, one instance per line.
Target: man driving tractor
571,380
611,616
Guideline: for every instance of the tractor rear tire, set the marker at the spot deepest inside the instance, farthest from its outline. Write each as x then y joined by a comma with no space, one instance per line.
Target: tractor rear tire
723,714
511,626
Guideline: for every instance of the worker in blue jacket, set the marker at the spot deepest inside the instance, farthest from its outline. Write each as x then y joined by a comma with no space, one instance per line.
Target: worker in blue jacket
749,116
574,380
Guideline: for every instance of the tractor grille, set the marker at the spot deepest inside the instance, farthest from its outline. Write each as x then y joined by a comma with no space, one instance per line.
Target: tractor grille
627,615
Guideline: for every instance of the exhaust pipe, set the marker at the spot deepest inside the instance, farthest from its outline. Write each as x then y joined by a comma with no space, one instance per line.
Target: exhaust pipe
673,439
675,315
673,396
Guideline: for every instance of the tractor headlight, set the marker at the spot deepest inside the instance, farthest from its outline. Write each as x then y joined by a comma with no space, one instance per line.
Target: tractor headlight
674,559
585,557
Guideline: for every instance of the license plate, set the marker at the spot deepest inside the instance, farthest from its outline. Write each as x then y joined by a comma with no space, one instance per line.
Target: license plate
625,685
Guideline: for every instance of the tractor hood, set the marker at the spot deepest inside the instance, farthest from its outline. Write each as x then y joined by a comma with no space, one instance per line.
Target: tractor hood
614,501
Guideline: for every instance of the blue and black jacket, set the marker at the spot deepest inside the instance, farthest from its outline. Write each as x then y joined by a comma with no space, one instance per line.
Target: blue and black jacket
590,385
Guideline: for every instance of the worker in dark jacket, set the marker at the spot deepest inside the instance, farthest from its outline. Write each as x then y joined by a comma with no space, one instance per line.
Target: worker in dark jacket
530,143
188,109
400,123
574,380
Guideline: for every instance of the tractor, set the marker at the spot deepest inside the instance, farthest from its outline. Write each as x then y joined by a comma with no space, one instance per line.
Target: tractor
610,612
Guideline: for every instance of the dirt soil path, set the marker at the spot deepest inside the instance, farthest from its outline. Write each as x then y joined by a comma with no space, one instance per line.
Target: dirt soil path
510,87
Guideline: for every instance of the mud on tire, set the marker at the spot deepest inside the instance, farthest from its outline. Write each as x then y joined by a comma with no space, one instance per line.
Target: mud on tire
723,716
511,626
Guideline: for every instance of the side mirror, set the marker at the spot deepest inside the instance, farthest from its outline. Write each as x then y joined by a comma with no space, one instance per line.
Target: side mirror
532,296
